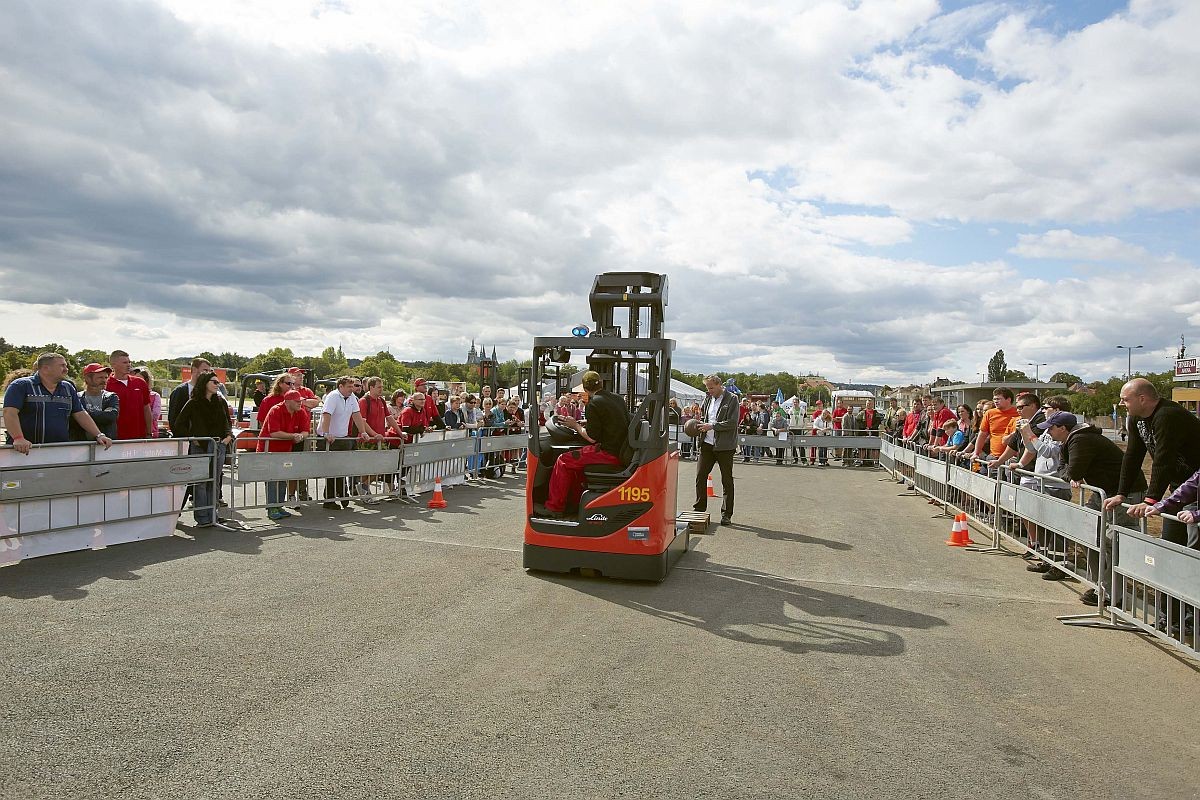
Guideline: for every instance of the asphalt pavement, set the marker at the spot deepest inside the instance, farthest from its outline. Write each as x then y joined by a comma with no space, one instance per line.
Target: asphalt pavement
828,645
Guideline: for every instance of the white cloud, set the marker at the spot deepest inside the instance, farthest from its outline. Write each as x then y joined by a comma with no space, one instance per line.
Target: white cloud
246,174
1068,246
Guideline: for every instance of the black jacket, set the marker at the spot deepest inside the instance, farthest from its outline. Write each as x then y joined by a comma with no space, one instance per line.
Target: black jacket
1093,458
200,418
1171,434
175,402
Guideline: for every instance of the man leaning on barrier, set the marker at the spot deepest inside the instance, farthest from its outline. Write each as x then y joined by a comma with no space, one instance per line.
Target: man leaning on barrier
339,411
103,406
1170,434
285,426
1090,457
38,408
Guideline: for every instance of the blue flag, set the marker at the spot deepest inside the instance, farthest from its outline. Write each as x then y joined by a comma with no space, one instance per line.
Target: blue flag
779,396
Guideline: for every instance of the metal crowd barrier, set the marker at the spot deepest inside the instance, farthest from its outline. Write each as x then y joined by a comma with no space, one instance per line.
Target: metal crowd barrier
397,472
78,496
1156,587
789,449
1153,585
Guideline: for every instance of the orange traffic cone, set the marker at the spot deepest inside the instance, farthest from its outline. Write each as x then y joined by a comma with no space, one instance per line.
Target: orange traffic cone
960,534
711,493
437,501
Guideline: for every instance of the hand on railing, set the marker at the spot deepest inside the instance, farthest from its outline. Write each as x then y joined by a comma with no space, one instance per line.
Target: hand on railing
1143,510
24,446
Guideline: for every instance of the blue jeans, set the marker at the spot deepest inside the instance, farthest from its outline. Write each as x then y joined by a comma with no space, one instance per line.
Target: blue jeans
204,495
276,493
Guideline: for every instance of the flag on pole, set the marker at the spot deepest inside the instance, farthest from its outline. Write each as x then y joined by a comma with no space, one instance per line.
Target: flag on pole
779,396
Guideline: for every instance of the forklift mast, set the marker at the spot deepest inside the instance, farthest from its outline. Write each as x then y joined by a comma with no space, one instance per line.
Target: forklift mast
638,301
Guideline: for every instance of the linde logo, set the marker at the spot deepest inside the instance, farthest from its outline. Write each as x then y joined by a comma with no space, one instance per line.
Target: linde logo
597,518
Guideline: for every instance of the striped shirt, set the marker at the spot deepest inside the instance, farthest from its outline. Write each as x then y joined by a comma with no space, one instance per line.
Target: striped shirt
44,415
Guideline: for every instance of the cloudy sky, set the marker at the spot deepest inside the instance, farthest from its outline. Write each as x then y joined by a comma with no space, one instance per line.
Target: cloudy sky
878,191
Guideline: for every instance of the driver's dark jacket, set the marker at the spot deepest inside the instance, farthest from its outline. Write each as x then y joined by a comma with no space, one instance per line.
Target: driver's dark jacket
607,422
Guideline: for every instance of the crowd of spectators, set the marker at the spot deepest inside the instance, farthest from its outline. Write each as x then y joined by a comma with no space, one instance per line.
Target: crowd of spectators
1044,446
1040,444
760,417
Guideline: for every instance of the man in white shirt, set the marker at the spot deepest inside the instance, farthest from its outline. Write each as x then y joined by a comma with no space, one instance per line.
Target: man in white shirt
718,440
339,411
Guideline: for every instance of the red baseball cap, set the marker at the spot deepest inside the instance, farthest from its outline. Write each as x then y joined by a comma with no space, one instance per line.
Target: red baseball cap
94,367
292,394
295,371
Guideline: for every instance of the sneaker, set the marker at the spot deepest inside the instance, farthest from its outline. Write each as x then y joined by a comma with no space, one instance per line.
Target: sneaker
277,514
1054,574
1029,555
1038,566
1090,598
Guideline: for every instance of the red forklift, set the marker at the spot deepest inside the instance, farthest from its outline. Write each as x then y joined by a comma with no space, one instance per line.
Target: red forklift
625,525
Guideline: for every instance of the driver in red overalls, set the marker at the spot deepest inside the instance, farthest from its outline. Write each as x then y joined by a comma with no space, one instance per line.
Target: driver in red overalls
605,431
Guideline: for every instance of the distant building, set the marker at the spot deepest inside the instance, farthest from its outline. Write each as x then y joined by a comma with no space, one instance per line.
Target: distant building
971,393
905,395
1186,391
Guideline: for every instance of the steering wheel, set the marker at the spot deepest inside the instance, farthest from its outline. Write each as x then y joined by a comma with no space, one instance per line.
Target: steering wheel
560,434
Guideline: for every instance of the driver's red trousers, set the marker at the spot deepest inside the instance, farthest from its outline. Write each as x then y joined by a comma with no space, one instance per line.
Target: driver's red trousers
566,481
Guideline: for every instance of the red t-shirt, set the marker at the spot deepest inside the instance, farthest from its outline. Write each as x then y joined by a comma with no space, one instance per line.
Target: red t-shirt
411,418
280,419
134,397
264,408
838,413
374,412
940,418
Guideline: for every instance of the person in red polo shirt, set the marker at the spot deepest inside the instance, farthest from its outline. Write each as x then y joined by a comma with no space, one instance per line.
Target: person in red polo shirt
937,421
285,426
309,398
134,420
432,418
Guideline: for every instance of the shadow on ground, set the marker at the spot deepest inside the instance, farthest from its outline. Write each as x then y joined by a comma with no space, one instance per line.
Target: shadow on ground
758,608
792,536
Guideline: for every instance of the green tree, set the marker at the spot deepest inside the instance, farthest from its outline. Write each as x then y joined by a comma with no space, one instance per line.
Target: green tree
230,361
273,360
334,361
1016,376
1065,377
997,367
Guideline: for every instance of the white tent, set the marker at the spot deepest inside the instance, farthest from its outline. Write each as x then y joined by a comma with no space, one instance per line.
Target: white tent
685,393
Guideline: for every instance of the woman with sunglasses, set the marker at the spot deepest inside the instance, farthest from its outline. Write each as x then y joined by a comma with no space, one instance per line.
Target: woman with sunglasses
206,416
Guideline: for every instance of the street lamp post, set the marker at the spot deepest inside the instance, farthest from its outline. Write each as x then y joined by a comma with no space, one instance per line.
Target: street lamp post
1036,368
1129,358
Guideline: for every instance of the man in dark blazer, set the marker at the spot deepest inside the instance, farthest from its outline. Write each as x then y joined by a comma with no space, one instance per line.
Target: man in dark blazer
718,441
